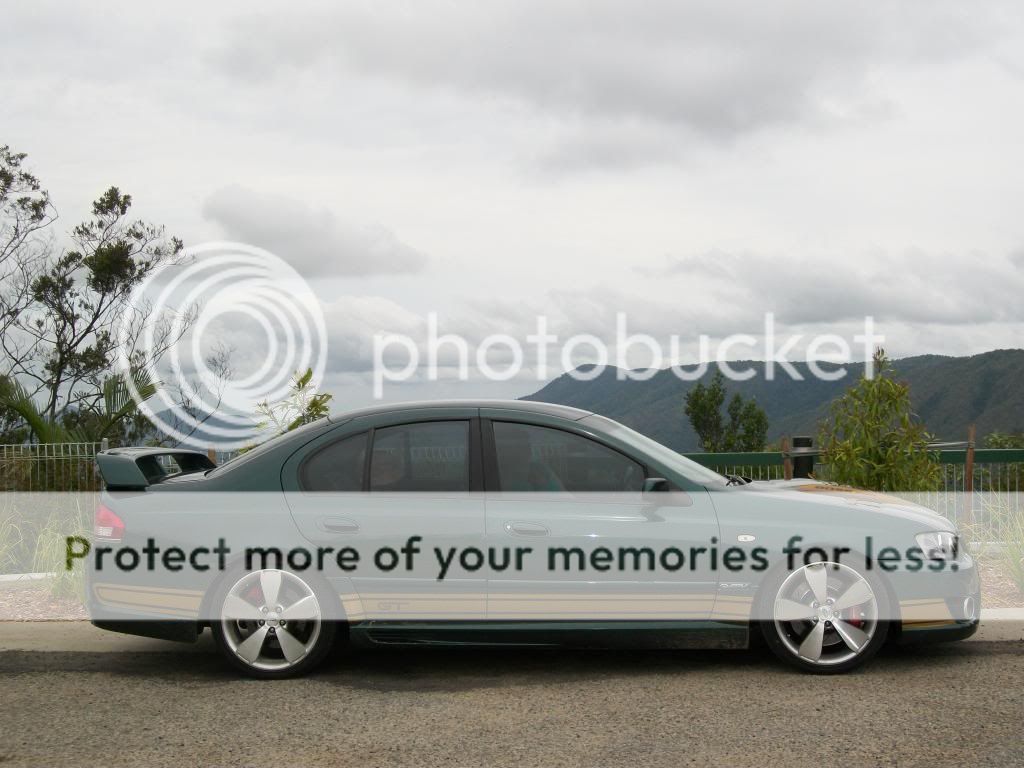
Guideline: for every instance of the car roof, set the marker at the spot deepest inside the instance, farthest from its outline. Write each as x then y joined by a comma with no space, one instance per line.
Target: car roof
525,406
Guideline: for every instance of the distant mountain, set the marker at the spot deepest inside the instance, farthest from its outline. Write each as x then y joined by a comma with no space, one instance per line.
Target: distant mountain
948,393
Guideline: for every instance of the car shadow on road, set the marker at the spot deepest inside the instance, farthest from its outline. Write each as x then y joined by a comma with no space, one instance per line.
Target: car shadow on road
424,668
444,669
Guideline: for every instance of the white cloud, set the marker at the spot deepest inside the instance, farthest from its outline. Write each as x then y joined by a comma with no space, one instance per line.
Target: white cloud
614,72
523,158
909,286
313,240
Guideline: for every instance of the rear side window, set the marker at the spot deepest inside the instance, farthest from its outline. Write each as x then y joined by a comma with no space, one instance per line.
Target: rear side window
336,467
532,458
425,457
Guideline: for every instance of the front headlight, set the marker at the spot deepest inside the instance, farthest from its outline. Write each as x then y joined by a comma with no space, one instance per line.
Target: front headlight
938,545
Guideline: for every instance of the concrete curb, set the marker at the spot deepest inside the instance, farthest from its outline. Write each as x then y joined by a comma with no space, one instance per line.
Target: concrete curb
1001,625
7,577
82,636
1002,614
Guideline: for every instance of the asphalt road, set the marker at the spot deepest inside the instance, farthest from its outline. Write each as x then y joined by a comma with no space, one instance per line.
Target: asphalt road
944,705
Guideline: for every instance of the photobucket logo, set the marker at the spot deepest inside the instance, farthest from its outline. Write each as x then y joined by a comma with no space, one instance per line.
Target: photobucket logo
399,357
184,308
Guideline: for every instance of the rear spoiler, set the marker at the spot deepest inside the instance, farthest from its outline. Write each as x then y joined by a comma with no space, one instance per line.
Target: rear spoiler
137,468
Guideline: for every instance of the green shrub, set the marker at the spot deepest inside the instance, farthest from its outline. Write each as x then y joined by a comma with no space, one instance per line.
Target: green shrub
873,439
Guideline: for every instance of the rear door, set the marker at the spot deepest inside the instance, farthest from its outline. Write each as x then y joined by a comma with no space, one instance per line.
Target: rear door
380,481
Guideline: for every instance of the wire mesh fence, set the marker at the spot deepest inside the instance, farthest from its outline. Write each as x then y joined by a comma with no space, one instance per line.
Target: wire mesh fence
47,492
981,489
49,467
753,471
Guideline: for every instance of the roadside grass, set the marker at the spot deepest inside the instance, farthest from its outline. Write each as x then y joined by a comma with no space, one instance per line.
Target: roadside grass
997,539
1013,548
33,531
51,551
12,538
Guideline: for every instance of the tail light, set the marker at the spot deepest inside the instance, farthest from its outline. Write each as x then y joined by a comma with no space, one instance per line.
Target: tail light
106,524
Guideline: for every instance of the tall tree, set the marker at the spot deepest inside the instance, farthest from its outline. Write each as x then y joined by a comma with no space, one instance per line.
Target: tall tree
60,307
25,214
703,407
79,298
747,427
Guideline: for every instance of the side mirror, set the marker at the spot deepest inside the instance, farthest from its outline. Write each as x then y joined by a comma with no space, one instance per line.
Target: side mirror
655,485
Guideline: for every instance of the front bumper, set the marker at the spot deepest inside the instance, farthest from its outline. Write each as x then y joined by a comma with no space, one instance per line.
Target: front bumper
939,607
945,633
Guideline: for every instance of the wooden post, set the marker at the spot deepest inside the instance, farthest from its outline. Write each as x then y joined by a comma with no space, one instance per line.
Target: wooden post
969,476
211,453
787,463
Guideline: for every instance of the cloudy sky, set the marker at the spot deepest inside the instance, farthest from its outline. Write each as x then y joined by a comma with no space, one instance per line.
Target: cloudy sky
692,164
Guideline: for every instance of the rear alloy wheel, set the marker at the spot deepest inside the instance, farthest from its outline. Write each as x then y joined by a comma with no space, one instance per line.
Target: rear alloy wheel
825,617
272,625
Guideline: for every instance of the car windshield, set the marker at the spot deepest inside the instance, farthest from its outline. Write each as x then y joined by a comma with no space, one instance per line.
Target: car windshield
691,469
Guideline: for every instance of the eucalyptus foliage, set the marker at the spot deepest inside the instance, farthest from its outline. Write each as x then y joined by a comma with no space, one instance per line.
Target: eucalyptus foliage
873,439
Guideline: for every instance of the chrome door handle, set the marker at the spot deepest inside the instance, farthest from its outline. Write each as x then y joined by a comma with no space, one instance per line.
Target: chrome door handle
526,529
339,525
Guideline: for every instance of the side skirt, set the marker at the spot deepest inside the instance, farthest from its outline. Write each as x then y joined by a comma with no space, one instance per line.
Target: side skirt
617,634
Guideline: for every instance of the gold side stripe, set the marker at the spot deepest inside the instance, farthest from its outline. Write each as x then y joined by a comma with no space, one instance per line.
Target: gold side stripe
177,602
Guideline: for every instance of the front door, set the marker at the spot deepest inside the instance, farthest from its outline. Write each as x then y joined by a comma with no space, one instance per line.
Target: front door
603,550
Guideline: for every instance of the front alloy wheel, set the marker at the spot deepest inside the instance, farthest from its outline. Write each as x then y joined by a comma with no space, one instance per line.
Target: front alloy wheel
272,625
826,618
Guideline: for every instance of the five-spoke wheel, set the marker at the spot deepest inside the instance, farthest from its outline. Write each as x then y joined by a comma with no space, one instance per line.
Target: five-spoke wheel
272,624
825,617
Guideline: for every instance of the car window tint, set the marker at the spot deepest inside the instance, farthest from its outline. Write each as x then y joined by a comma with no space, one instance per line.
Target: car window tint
336,467
428,457
532,458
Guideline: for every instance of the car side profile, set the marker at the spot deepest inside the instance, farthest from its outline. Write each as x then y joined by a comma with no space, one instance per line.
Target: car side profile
505,523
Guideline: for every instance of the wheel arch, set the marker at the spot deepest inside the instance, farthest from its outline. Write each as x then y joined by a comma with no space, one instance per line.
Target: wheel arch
770,576
234,570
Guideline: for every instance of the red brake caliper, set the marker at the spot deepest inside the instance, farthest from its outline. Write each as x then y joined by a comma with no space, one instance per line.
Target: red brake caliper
853,617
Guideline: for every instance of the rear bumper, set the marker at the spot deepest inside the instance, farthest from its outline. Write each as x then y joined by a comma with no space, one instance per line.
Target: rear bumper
179,631
139,617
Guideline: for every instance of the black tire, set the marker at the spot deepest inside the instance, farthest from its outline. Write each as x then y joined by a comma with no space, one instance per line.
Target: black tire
320,640
783,637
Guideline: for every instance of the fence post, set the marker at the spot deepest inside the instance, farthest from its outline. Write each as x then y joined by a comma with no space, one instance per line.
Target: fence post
211,454
787,463
105,443
803,464
969,476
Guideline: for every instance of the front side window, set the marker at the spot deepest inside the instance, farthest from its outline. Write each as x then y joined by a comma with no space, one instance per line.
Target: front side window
336,467
429,457
532,458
